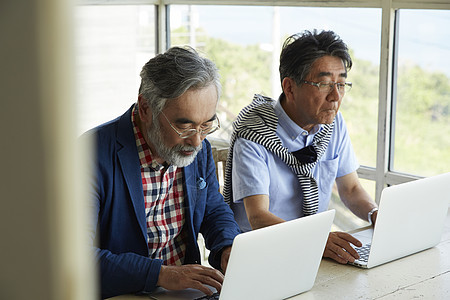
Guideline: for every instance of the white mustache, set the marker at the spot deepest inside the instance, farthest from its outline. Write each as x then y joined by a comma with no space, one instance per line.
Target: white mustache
187,148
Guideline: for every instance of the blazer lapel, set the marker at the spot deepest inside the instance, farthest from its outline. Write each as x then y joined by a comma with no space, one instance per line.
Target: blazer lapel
191,189
129,164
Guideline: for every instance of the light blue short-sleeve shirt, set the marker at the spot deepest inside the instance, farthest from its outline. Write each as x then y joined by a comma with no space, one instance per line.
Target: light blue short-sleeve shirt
257,171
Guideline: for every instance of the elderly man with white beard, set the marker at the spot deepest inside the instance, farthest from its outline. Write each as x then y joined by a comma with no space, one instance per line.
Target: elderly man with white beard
154,187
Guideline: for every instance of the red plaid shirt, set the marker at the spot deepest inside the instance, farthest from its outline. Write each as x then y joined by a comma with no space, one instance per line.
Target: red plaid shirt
164,199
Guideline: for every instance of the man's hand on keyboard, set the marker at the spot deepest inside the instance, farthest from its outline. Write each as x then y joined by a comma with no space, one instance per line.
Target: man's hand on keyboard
338,247
190,276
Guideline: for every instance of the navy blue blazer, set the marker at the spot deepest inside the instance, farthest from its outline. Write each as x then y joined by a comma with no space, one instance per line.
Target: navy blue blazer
118,230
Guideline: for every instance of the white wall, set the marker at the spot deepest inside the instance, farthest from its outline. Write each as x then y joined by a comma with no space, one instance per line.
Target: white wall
41,216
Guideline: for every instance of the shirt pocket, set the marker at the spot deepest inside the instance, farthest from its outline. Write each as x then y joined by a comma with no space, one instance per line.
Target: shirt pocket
326,171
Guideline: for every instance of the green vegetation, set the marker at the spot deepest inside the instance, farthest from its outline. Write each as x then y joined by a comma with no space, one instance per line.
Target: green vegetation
422,121
244,70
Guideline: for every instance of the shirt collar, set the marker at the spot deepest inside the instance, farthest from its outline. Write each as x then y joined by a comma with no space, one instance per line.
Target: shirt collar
291,128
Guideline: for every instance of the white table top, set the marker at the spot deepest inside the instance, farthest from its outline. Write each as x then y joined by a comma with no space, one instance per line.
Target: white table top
425,275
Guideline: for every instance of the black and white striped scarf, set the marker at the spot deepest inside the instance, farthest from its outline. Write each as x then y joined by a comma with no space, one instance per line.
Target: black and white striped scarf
258,122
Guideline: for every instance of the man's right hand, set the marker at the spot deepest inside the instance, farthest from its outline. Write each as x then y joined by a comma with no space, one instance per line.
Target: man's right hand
190,276
338,247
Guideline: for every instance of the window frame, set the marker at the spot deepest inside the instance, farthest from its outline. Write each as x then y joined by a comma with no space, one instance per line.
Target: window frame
382,173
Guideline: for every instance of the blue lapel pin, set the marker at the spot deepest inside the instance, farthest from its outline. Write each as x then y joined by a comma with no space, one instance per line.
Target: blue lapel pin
201,183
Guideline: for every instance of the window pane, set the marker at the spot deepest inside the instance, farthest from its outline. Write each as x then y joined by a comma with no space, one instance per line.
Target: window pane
246,50
345,220
113,43
422,120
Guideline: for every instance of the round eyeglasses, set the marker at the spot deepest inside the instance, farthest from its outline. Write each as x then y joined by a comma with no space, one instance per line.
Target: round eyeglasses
207,129
328,86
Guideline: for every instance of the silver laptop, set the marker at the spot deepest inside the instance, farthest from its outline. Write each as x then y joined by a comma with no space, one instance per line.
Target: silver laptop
410,219
271,263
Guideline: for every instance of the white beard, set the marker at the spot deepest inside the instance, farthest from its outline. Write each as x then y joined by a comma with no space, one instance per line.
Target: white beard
170,155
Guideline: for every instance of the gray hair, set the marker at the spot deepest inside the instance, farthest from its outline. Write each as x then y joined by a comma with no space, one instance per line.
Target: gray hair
301,50
169,75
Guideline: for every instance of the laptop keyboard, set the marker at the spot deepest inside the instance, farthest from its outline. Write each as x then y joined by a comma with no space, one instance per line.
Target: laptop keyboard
214,296
363,252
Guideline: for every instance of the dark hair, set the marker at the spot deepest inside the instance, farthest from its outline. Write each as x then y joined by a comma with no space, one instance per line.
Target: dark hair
171,74
301,50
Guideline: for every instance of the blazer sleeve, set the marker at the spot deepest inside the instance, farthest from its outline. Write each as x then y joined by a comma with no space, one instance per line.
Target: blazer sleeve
123,273
120,271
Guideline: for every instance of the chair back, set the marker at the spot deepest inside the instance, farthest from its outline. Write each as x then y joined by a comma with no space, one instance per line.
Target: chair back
220,155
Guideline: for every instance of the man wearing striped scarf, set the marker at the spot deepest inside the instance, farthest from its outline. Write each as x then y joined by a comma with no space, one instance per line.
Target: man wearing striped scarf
286,154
